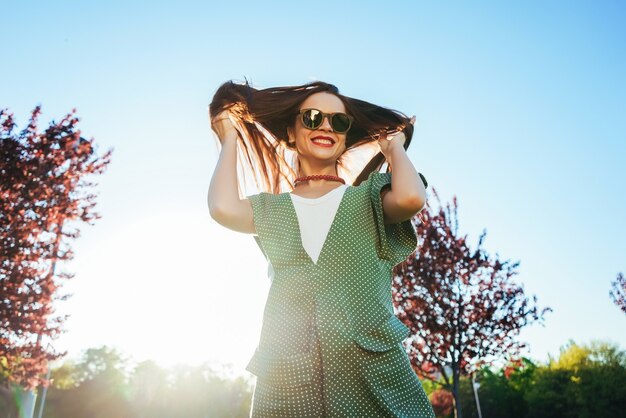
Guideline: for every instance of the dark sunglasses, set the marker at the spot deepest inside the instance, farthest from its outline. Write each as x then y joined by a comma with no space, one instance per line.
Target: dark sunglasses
313,119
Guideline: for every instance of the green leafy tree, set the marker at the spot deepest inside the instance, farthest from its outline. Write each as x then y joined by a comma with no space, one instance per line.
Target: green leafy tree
64,376
96,386
586,381
149,390
102,384
498,394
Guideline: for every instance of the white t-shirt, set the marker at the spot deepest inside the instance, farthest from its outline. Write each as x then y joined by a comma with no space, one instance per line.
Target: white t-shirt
315,217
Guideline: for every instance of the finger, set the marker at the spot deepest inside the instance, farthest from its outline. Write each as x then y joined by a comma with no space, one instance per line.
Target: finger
413,120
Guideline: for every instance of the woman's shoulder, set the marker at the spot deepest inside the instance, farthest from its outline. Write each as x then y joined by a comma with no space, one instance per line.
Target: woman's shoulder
265,201
266,195
379,178
374,178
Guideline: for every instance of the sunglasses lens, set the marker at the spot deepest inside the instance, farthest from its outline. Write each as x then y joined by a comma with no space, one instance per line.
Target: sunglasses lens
312,118
340,122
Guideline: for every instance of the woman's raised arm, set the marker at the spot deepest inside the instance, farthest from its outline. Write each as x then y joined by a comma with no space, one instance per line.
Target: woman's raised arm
407,196
225,206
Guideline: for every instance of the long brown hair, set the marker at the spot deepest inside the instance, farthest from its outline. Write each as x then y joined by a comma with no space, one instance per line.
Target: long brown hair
262,117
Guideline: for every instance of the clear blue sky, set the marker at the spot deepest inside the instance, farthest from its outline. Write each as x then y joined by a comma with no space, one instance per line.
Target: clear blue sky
520,114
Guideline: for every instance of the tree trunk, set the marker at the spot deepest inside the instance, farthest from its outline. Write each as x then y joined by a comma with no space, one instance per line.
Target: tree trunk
455,391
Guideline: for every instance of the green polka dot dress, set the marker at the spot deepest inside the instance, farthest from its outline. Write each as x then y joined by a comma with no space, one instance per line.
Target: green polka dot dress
330,343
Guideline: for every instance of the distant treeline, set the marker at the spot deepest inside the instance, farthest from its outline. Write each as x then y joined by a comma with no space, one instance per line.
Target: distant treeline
584,381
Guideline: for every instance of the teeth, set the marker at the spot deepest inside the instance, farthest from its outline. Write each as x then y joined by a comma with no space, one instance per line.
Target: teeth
323,141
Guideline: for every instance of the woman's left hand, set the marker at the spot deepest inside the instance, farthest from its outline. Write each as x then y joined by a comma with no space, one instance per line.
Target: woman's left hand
389,142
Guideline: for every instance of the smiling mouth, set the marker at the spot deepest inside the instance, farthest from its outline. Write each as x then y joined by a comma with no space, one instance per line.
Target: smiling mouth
323,142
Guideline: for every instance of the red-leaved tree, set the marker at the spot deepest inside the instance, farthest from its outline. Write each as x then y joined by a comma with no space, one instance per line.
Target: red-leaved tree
43,186
442,401
462,306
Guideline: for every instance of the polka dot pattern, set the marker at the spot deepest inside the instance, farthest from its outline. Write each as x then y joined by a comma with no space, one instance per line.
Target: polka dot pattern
330,343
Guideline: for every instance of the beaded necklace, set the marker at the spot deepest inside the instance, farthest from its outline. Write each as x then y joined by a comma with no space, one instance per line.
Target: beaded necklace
319,177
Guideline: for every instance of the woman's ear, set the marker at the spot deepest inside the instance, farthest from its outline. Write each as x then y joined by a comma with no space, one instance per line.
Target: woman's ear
290,138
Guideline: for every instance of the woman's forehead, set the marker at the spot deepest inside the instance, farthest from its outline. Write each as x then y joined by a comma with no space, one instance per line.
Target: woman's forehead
326,102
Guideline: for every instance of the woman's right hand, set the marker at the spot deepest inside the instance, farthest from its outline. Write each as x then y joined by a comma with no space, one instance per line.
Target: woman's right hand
225,205
223,127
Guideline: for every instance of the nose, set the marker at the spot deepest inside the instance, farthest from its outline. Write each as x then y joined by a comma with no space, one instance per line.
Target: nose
326,123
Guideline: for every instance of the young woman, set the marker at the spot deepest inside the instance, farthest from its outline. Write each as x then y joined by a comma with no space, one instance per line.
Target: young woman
332,227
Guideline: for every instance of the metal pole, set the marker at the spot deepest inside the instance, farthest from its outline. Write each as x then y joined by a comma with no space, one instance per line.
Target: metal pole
29,398
476,385
43,395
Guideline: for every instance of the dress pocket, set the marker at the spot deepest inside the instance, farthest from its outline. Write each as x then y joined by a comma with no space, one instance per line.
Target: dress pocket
292,370
386,370
383,337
